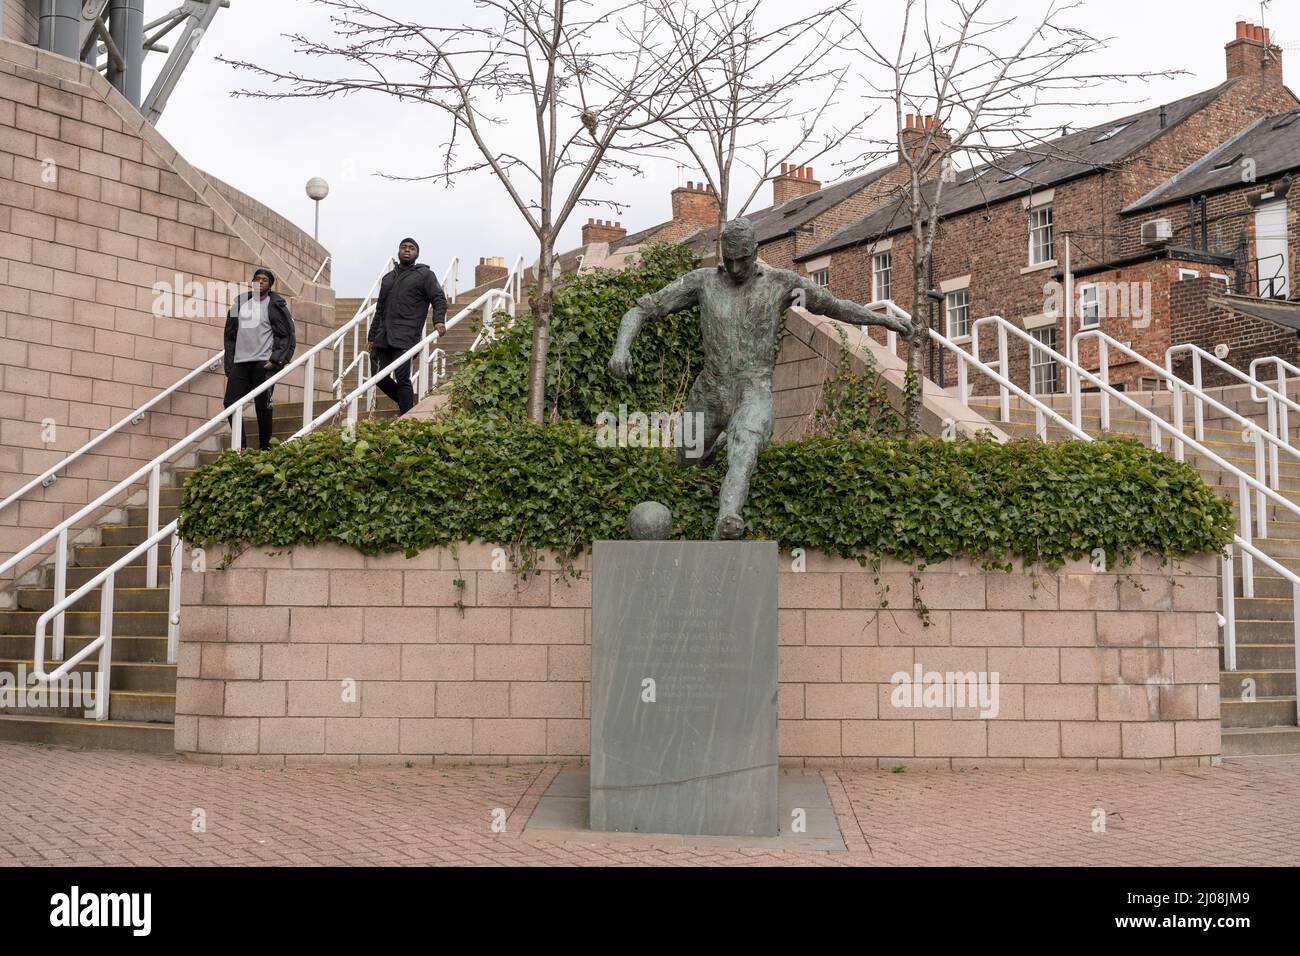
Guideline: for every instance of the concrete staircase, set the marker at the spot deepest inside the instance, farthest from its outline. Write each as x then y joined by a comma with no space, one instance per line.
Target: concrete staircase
1266,723
142,701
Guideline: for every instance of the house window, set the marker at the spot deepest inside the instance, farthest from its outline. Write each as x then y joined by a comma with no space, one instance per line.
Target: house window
1042,367
1188,274
1040,235
1089,307
822,277
957,307
882,286
1222,278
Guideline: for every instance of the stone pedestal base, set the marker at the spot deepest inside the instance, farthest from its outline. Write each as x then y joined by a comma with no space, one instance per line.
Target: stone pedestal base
683,690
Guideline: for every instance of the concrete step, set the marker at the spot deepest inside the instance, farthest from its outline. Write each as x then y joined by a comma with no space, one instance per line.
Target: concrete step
1254,631
135,706
1260,741
126,675
1261,608
1268,683
1260,712
125,623
1257,657
102,556
127,648
86,734
124,599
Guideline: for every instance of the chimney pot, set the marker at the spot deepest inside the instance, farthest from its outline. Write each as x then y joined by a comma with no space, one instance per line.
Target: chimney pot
690,184
810,173
785,168
909,120
1241,29
1258,32
1265,37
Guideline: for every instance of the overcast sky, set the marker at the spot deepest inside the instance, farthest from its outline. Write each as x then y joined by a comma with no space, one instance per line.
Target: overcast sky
269,149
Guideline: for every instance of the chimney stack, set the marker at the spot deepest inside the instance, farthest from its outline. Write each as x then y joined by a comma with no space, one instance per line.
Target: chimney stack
695,204
793,181
602,230
489,269
912,138
1252,56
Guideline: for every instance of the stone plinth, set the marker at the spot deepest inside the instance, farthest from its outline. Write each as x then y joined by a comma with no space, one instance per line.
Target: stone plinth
683,691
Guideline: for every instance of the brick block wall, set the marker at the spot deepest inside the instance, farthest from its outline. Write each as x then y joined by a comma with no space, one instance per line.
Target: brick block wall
294,246
1196,319
21,20
323,655
96,209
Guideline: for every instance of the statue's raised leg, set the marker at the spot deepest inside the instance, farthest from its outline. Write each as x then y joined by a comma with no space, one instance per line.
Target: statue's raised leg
748,433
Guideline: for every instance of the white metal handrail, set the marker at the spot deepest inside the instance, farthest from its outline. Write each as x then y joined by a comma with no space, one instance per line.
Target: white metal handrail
50,475
324,263
1281,421
1250,552
1199,399
485,302
1275,399
104,642
152,473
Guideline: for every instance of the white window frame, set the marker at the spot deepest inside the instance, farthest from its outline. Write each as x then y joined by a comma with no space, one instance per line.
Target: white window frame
1038,361
1047,228
1222,278
1188,274
950,304
1083,306
876,272
821,277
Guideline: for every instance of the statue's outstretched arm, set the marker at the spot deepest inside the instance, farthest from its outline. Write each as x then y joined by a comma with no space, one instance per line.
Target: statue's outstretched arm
682,293
818,300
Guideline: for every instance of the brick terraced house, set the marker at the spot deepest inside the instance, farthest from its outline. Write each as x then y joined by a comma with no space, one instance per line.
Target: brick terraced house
1118,195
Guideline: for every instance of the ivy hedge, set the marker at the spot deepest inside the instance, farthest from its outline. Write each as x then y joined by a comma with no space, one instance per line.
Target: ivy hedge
666,356
409,485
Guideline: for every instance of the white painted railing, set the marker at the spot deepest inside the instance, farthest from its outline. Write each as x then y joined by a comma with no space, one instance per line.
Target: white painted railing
1279,418
324,263
103,643
51,474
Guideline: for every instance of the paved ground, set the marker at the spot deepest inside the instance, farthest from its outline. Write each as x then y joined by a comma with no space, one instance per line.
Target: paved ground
89,808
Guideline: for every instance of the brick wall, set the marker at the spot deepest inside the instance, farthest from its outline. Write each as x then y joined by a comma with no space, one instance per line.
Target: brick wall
1194,318
21,20
991,244
96,208
294,246
323,655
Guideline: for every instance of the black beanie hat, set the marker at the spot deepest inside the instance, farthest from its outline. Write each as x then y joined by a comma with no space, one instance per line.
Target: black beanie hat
412,242
269,275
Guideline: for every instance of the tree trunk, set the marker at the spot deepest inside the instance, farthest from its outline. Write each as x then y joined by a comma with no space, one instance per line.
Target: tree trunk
916,346
541,309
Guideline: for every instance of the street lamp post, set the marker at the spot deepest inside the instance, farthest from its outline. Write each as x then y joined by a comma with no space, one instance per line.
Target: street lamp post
317,189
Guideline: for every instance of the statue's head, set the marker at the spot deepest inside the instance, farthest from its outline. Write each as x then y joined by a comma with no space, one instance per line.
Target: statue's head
739,250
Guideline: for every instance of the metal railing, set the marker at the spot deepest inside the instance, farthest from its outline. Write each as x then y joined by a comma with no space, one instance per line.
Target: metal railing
103,643
324,263
151,475
1280,419
1179,439
51,474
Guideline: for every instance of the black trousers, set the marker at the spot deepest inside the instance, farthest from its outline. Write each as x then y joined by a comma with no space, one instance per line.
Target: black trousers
396,385
242,379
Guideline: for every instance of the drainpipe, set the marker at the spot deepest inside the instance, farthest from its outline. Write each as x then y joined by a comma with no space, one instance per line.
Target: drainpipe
60,27
126,26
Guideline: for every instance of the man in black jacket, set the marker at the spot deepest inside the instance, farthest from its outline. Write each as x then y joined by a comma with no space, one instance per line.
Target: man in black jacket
405,295
260,340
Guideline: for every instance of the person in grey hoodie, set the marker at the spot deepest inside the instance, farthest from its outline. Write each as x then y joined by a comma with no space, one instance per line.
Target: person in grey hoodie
405,297
260,340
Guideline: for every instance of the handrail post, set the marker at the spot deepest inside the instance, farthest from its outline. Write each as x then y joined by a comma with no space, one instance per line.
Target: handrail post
308,390
1261,507
1243,523
1076,393
237,428
60,592
1004,367
1229,611
105,669
1176,397
1295,634
1196,403
155,496
1272,448
1103,372
174,601
1284,424
963,382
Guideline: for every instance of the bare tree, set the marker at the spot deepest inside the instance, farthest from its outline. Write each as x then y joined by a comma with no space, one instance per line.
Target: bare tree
594,78
995,85
744,78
